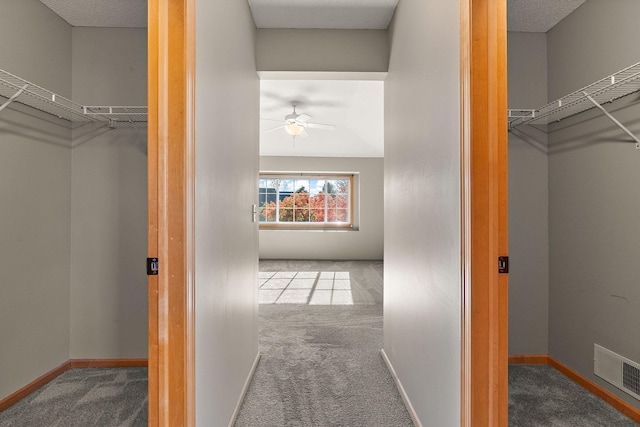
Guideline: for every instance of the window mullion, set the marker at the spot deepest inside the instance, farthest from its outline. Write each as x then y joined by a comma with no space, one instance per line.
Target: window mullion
326,196
278,203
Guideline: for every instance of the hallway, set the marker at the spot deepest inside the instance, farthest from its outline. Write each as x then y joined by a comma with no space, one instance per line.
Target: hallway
320,340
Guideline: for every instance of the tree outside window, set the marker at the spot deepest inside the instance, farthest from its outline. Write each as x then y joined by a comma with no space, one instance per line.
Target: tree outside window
307,200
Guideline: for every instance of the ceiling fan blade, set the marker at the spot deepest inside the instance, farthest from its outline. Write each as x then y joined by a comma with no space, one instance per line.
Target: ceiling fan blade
303,117
304,134
320,126
272,129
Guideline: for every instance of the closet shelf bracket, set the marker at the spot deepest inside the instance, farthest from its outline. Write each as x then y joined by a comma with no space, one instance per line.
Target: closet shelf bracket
13,97
613,119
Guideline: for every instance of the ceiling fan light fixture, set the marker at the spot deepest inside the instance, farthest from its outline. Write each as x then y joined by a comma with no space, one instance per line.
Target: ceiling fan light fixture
294,129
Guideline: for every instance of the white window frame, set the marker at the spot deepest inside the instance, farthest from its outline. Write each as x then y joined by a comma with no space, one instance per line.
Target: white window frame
309,225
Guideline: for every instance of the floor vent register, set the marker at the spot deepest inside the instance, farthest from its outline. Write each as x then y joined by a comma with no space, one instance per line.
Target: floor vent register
618,370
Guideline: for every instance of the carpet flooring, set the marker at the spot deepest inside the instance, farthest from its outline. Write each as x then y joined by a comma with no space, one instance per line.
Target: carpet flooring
320,339
85,398
321,362
541,396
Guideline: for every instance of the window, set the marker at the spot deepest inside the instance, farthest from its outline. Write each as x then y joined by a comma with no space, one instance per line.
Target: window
305,201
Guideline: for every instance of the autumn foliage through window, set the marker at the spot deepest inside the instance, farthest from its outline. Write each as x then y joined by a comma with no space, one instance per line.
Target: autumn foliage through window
307,200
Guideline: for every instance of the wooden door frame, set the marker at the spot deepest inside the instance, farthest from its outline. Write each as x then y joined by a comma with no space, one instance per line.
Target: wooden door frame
484,213
171,186
171,179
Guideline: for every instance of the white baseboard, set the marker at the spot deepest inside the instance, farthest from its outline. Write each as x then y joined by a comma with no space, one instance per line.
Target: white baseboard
403,394
244,390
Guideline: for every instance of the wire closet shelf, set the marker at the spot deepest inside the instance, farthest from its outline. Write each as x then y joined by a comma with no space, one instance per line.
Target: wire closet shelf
16,89
608,89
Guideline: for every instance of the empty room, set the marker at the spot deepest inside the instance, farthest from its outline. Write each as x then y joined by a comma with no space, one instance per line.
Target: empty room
265,216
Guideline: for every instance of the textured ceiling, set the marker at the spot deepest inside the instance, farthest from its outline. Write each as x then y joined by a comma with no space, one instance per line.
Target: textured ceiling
538,16
101,13
332,14
523,15
355,107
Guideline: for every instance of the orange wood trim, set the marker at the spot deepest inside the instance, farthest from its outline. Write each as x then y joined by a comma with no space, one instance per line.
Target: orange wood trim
33,386
597,390
613,400
170,320
465,210
488,193
529,359
41,381
108,363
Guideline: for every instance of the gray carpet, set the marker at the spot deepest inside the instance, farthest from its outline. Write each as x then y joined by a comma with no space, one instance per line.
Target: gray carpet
85,398
321,364
541,396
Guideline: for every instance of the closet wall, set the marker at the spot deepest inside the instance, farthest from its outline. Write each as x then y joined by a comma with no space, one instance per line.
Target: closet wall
72,202
593,193
109,199
35,200
528,199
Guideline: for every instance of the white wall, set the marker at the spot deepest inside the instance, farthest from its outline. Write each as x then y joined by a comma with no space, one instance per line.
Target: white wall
593,205
528,199
365,242
422,299
322,50
35,200
109,199
227,101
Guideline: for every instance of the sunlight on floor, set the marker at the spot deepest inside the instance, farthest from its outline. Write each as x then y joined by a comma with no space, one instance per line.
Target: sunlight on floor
305,287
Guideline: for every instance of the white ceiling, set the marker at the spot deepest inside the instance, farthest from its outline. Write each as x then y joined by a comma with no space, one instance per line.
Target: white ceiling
355,107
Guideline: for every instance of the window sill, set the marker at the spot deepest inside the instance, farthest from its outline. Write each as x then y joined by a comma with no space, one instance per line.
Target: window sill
308,229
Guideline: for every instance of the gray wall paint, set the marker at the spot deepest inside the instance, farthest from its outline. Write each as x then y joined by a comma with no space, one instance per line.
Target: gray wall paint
593,42
109,199
35,200
528,199
322,50
36,45
365,243
422,297
227,101
593,206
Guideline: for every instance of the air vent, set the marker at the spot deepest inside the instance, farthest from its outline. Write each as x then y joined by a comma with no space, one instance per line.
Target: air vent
619,371
631,378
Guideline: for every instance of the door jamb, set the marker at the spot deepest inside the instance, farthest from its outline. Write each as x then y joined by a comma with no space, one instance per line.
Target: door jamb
171,179
484,216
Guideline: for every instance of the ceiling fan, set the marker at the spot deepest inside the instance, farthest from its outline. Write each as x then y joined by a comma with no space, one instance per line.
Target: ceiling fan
297,124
